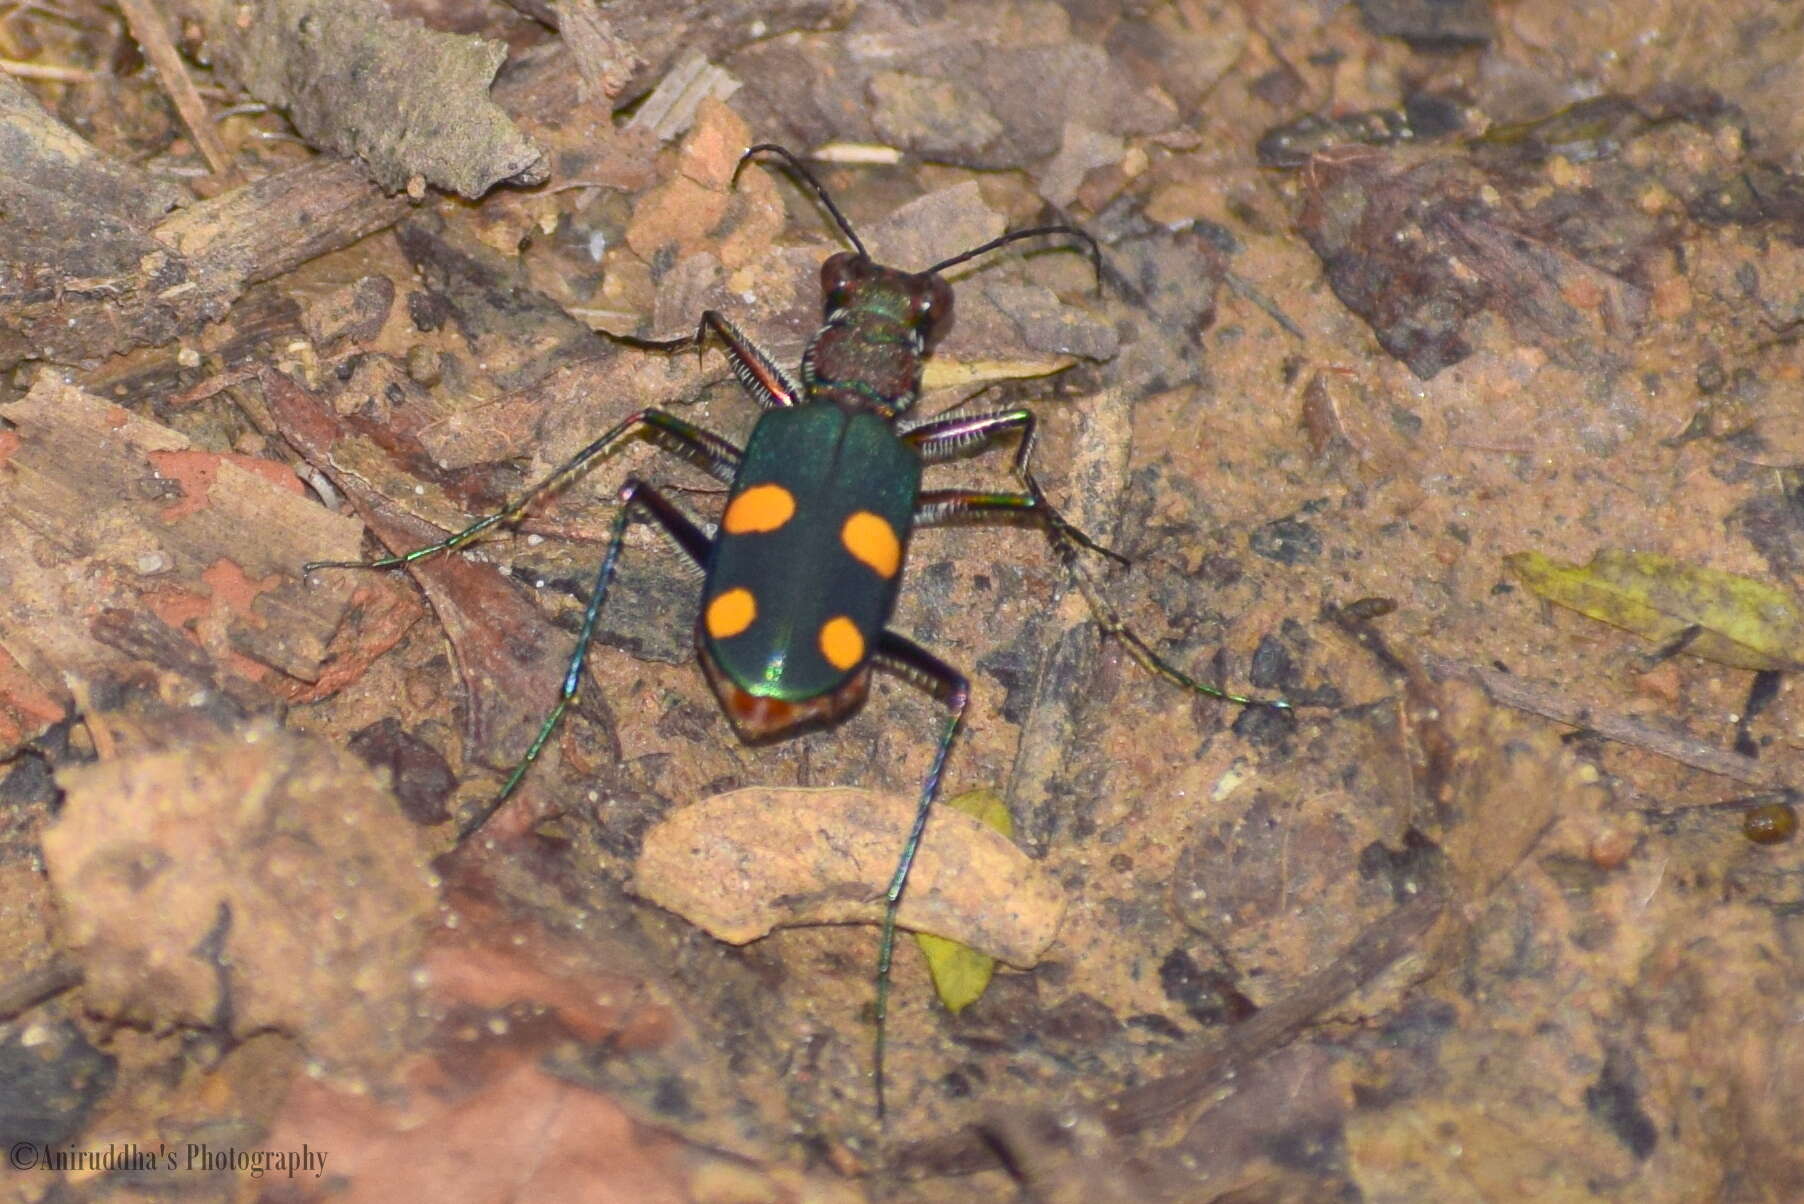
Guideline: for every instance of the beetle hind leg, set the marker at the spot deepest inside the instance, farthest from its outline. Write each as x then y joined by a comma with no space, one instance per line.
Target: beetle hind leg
944,505
945,438
704,448
694,545
948,686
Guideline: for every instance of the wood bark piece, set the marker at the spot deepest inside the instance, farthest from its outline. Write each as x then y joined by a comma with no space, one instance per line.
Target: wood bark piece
104,511
407,100
92,266
73,288
661,32
46,157
743,863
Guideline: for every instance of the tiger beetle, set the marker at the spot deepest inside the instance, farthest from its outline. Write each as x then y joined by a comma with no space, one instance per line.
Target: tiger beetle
802,575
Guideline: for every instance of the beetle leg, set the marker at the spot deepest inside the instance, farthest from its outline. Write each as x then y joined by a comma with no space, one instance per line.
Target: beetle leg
947,437
769,385
694,545
704,448
947,685
944,438
942,505
936,506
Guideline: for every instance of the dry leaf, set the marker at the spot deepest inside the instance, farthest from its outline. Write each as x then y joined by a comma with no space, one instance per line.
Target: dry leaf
742,863
1743,623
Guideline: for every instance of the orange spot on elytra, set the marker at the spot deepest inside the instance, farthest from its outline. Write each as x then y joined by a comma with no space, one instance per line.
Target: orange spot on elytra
731,613
760,509
841,642
873,541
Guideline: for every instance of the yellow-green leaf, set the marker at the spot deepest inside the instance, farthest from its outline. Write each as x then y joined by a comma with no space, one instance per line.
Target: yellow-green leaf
1740,622
943,373
960,973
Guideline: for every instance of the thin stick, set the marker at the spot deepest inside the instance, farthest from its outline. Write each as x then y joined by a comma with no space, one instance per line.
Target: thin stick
1376,949
1547,701
152,36
66,75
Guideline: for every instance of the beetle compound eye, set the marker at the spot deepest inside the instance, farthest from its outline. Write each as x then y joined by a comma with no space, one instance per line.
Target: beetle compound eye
838,274
933,311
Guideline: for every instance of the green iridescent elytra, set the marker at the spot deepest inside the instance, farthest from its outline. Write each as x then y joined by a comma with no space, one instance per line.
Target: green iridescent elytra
833,463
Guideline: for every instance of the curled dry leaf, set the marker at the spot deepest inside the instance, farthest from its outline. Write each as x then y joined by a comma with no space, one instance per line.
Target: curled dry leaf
1739,622
742,863
405,99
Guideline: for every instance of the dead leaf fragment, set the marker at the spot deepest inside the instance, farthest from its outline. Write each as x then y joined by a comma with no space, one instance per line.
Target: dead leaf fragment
742,863
944,373
1740,622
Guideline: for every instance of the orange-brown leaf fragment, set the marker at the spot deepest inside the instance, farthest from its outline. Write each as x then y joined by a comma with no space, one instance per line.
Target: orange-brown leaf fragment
742,863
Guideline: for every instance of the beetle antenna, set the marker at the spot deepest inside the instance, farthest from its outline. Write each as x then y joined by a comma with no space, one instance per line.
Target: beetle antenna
1018,235
796,166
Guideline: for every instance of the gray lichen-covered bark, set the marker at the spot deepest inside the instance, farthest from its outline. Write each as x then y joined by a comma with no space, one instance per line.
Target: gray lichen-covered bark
407,100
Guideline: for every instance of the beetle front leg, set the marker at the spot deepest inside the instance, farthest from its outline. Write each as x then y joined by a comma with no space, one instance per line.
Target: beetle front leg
770,386
714,454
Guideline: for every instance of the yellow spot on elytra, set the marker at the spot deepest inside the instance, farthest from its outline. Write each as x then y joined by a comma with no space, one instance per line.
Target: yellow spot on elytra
873,541
841,642
731,613
759,509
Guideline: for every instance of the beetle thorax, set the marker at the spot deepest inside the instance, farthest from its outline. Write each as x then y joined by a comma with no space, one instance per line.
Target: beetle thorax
864,361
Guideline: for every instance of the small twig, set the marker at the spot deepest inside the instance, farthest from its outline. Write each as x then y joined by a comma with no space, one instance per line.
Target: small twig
149,32
1376,949
1745,802
1265,303
1551,703
67,75
33,987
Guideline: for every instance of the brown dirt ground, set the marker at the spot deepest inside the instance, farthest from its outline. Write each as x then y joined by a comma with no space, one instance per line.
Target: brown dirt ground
1478,922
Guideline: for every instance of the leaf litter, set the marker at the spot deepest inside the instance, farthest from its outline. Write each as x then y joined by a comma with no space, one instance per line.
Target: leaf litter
1552,323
